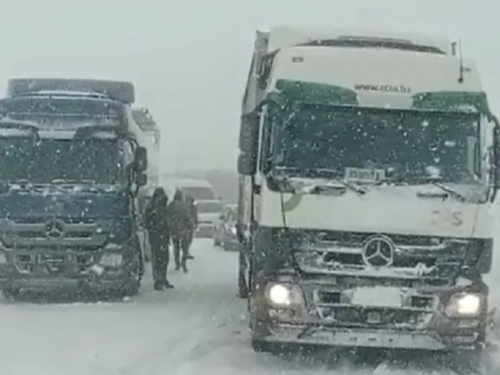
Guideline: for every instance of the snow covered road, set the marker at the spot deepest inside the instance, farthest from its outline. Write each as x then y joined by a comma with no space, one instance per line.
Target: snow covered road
200,327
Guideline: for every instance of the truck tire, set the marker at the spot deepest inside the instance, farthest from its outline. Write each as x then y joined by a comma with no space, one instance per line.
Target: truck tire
132,288
11,293
481,362
133,284
260,346
477,362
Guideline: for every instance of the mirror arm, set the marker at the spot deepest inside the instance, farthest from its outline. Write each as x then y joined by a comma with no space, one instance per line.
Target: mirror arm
496,156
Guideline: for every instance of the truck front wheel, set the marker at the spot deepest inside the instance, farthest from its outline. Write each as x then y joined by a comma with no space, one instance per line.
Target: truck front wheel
132,287
259,346
478,362
133,282
11,293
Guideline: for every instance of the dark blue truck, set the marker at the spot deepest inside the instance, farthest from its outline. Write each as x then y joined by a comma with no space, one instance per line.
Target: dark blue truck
71,166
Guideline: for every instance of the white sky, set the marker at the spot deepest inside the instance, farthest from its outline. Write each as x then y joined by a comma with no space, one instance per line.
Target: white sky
189,58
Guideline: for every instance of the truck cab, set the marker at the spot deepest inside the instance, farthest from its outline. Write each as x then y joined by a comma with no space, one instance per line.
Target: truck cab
368,163
72,167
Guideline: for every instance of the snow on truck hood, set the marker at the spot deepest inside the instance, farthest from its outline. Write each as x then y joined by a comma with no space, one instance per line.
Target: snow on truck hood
410,210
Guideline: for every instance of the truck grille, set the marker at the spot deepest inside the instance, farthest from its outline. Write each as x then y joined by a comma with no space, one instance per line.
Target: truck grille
383,255
54,233
52,263
339,305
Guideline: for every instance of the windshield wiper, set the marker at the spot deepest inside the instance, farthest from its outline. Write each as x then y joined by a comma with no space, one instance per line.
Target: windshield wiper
435,181
72,182
319,173
20,181
448,190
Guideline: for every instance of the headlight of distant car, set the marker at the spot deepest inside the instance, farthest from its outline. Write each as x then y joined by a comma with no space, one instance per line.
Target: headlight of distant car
230,228
464,305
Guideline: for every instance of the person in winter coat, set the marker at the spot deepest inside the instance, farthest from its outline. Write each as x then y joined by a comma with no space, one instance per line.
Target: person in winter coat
194,219
157,225
181,227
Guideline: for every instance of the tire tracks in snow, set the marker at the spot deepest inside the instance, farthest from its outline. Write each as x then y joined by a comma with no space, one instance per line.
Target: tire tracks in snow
197,327
157,360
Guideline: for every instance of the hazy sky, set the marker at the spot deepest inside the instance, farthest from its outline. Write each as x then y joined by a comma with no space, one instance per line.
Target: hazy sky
189,58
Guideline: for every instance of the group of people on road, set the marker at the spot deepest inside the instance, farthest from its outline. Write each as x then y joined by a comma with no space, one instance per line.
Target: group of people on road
166,222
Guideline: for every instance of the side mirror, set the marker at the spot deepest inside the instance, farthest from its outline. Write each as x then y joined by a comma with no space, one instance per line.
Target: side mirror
247,164
249,143
141,179
495,158
141,159
240,233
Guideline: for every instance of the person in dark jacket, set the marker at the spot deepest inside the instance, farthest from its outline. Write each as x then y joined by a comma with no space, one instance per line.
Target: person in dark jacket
194,219
180,229
157,225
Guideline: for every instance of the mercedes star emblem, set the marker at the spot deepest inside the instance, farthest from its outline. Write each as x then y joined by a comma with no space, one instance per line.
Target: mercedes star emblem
373,317
54,229
378,251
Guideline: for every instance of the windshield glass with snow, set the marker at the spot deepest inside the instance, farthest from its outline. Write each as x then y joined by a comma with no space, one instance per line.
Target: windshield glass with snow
198,192
62,112
209,207
405,145
97,160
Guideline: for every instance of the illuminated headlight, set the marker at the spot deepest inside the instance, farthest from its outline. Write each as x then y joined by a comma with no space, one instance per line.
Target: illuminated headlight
111,260
283,295
464,305
233,230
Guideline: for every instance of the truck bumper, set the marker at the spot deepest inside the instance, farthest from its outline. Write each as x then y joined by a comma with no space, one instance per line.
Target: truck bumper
94,277
318,321
281,333
54,284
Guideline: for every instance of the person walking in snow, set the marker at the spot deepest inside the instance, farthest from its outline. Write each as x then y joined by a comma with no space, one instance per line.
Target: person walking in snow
194,220
180,229
157,225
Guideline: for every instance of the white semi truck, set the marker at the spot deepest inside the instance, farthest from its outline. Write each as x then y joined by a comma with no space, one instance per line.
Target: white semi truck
367,167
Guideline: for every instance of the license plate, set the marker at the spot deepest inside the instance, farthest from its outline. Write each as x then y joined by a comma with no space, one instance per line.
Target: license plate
377,297
51,259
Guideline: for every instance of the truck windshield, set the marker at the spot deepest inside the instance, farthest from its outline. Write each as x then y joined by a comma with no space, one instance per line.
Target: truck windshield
405,144
67,113
198,192
43,161
209,207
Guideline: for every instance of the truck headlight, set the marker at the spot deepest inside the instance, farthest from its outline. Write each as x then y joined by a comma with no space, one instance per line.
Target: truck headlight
111,260
283,295
233,230
464,305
